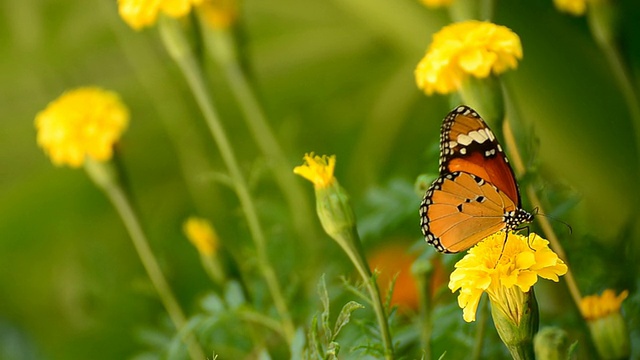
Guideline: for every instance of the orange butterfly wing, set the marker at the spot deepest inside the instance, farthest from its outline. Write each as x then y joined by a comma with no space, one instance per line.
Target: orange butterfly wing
476,193
467,144
462,209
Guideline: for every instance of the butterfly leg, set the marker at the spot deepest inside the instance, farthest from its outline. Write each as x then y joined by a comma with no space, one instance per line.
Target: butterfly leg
504,244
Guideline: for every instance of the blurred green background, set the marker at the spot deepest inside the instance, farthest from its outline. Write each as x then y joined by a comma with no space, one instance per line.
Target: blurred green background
336,77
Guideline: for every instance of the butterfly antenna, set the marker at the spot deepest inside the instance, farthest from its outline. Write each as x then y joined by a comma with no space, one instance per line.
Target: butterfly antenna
554,219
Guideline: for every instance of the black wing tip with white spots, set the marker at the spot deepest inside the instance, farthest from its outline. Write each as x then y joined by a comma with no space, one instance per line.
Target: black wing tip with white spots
465,110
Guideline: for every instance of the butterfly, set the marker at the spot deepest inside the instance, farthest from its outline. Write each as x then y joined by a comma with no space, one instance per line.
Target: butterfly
476,194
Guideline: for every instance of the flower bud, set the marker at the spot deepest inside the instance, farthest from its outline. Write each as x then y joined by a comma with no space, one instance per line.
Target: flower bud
607,327
334,210
516,319
551,343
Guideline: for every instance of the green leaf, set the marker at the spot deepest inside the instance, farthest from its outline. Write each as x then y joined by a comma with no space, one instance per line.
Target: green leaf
233,295
573,349
212,304
389,294
324,317
314,345
297,345
264,355
332,351
345,316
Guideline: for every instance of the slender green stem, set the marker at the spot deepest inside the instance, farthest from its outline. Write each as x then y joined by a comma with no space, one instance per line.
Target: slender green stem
519,167
482,328
426,321
222,47
350,243
623,79
461,10
263,320
178,47
103,176
604,22
213,269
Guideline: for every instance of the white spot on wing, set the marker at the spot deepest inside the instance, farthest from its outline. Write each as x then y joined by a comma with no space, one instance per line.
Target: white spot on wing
490,134
464,139
478,136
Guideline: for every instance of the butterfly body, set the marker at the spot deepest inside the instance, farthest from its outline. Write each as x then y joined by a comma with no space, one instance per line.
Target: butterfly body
476,193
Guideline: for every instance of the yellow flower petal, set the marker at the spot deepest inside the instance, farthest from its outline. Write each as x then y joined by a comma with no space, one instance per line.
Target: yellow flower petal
466,48
141,13
219,14
436,3
201,234
82,122
500,269
318,170
573,7
594,306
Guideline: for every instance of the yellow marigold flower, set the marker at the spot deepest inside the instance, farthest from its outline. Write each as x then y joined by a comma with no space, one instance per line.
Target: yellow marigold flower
332,201
201,234
573,7
606,324
219,14
317,169
503,274
83,122
436,3
475,48
595,307
141,13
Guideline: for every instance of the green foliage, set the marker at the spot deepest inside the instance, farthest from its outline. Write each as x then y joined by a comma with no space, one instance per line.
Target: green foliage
322,340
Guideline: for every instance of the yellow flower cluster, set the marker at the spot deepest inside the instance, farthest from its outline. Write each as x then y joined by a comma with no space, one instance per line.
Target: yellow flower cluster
596,307
436,3
141,13
573,7
475,48
82,122
318,170
219,14
503,273
201,234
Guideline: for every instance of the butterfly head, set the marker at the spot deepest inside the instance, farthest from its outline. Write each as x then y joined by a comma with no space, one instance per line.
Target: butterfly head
513,219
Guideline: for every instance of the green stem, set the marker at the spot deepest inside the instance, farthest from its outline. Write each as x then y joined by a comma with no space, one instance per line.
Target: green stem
104,176
178,47
351,245
520,169
482,327
521,351
461,10
604,22
263,320
426,321
213,268
623,79
221,45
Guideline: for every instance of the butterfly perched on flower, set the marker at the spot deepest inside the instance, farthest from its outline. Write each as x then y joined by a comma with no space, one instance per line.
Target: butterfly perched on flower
476,193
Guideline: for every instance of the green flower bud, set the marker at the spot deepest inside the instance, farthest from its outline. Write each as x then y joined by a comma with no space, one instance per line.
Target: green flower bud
607,327
516,320
334,210
551,343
